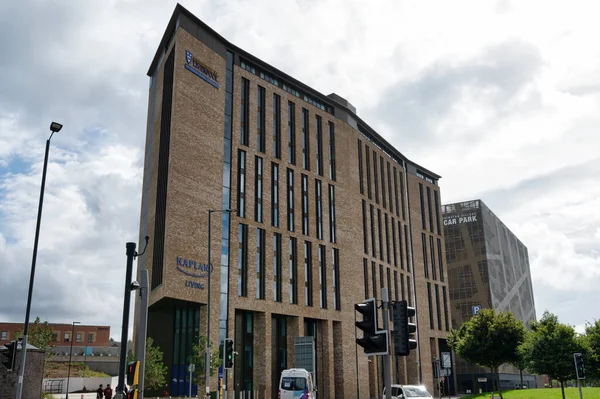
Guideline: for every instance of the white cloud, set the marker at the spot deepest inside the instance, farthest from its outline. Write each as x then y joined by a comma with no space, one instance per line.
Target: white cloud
499,98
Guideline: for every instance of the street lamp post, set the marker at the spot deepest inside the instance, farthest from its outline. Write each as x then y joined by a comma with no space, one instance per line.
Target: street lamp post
70,353
54,128
207,356
129,286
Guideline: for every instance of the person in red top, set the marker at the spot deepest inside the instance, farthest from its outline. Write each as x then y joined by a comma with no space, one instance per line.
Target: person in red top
108,392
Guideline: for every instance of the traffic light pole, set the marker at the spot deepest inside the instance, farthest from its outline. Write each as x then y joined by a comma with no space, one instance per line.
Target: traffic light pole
386,357
225,371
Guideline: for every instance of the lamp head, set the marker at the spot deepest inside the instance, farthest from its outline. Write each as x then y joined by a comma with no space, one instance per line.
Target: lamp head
55,127
134,286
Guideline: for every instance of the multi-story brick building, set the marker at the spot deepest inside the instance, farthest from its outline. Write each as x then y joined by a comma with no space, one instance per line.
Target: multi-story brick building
488,267
90,336
327,213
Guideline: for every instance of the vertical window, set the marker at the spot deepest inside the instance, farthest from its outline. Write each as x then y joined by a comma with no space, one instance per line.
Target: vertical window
360,168
260,263
374,278
319,208
375,177
276,126
429,209
308,286
429,301
336,279
322,277
409,291
293,271
394,249
372,214
407,247
424,245
366,277
304,205
396,192
387,239
389,281
260,121
275,195
423,225
241,189
390,191
332,163
381,280
291,133
402,196
401,254
437,306
380,236
243,260
445,308
437,212
305,140
383,194
258,189
245,107
402,287
432,255
364,222
290,199
441,264
396,292
332,237
368,165
277,267
319,144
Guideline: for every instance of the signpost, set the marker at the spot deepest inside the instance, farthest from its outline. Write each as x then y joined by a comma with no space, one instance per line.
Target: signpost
446,369
191,369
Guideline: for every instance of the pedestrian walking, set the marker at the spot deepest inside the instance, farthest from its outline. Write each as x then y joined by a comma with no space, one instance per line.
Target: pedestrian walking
99,392
108,392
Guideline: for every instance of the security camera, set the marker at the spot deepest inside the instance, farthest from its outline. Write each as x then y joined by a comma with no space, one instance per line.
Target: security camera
235,353
134,286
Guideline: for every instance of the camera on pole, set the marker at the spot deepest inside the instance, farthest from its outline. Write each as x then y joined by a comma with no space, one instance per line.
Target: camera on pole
374,342
404,331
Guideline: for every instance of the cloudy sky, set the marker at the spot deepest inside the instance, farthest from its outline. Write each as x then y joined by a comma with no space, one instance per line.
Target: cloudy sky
501,98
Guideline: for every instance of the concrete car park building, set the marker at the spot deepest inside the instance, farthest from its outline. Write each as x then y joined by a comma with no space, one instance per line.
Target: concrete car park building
488,267
327,212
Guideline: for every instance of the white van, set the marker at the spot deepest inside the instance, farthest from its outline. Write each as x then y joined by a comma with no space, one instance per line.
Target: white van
296,384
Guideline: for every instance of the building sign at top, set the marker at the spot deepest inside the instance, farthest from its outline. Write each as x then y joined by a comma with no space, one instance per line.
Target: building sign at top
200,69
467,218
192,268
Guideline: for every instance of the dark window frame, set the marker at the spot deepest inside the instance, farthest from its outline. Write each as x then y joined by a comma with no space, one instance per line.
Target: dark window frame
274,194
337,297
290,200
319,144
276,126
293,263
258,189
291,133
308,278
305,139
243,260
305,206
261,118
277,267
244,113
241,184
332,222
260,262
322,276
360,169
332,158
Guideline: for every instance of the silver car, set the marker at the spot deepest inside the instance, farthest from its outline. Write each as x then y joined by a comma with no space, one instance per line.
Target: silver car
408,391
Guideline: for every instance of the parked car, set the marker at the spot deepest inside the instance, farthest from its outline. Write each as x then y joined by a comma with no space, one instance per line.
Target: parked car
296,384
408,391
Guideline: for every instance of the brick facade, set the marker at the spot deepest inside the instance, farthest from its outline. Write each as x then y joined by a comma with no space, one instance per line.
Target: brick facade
195,184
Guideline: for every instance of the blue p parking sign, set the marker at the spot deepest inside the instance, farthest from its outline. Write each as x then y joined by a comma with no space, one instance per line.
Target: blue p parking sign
475,309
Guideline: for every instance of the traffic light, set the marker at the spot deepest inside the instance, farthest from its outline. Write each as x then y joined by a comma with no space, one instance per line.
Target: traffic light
10,355
132,394
404,341
579,366
373,341
228,353
133,370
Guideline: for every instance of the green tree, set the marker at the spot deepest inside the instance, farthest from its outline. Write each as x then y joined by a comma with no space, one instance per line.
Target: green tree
155,370
489,339
198,359
592,342
41,336
549,347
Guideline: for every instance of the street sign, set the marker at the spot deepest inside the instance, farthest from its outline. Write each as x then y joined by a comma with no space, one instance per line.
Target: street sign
482,379
475,309
445,372
446,360
192,368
